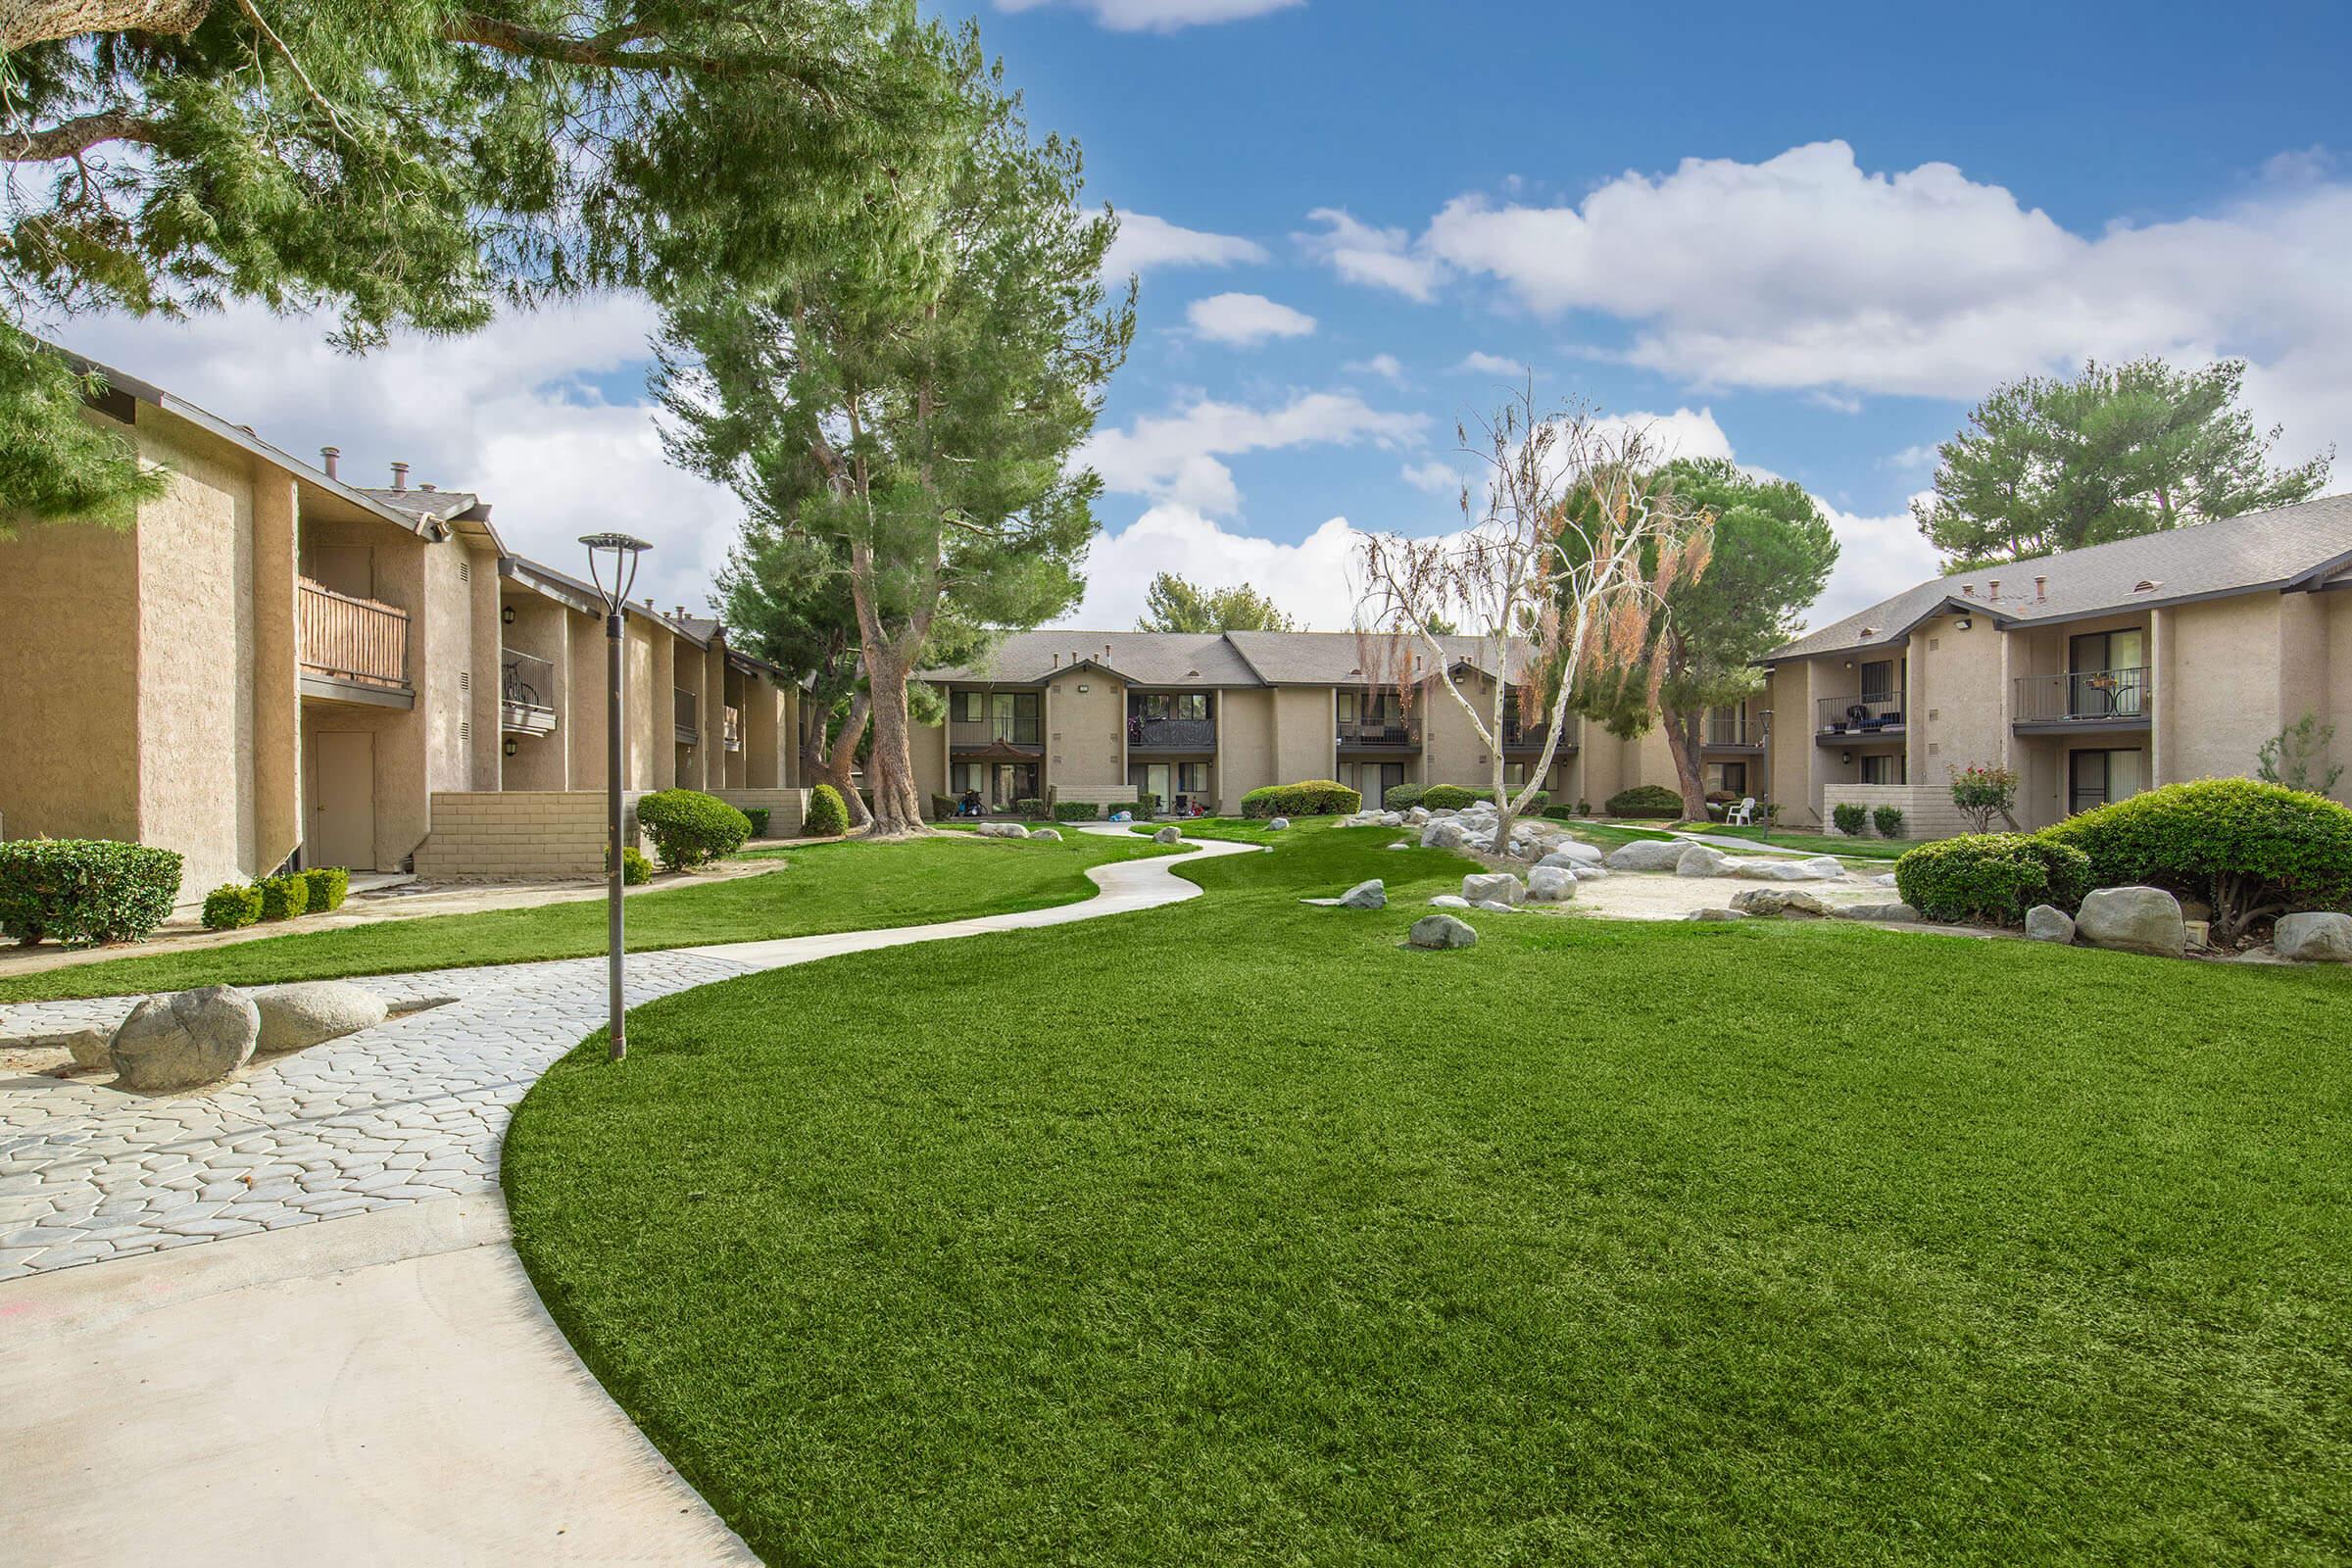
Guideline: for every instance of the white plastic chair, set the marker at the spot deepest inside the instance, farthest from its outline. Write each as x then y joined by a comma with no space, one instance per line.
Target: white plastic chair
1741,816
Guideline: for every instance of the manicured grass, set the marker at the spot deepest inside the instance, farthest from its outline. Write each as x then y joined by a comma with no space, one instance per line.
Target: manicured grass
842,886
1852,849
1234,1232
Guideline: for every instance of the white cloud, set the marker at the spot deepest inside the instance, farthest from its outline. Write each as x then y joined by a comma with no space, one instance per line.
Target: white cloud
1436,477
1175,458
1247,320
1160,15
1684,433
1479,362
1878,558
1387,366
1381,258
1145,242
1314,580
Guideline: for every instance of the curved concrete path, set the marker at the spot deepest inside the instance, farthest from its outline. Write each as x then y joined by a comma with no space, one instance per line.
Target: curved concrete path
383,1388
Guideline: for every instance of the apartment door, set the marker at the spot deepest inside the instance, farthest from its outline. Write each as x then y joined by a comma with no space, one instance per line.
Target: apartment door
342,792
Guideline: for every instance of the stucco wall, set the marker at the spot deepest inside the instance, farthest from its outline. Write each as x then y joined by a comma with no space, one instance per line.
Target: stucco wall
541,628
1794,758
587,694
2337,606
1086,731
2225,656
1959,714
1306,731
68,613
648,762
1245,745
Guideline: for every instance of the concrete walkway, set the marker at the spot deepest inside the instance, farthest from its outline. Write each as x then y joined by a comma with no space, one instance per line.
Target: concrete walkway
279,1322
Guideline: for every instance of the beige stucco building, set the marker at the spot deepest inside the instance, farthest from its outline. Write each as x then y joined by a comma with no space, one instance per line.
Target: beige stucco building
2093,674
272,666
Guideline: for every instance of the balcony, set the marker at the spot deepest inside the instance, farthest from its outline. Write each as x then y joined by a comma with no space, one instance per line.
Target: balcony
527,695
1731,732
1531,738
1845,721
1022,732
2086,699
1171,734
731,727
352,649
1380,735
687,711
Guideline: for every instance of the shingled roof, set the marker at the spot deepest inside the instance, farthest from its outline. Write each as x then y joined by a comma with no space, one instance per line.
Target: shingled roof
2282,549
1205,660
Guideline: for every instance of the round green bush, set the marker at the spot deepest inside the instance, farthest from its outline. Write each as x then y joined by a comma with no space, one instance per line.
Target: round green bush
1992,877
689,828
329,885
1851,819
85,889
1403,797
758,816
2254,851
231,906
635,869
1314,796
1029,806
1459,796
284,897
828,816
1888,821
1645,800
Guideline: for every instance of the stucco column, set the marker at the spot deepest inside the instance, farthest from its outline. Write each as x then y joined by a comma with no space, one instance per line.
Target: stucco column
484,657
1915,710
1216,763
277,825
2160,716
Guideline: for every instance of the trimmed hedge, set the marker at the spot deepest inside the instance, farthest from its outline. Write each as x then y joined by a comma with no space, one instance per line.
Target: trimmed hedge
329,885
691,828
284,897
231,906
85,889
1645,800
635,869
943,807
1888,821
828,817
1992,877
1461,797
1565,814
1402,797
1147,804
1029,806
1315,796
2252,849
1076,812
1851,819
758,816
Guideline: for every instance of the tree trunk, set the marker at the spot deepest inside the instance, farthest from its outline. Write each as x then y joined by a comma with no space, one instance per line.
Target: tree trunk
1682,740
28,22
834,762
889,765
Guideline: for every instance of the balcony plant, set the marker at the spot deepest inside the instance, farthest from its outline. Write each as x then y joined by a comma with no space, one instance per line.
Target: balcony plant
84,890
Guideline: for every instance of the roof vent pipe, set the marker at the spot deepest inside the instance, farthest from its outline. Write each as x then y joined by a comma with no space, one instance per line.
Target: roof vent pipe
2041,590
1995,594
399,477
1968,590
330,456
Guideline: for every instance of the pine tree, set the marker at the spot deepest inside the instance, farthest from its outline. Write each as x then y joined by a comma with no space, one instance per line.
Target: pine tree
1174,604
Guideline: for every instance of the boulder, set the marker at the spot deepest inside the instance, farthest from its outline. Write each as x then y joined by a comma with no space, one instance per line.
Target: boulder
1645,854
1550,884
1450,901
1418,816
1755,870
1715,914
1048,834
1780,903
1392,820
1873,912
89,1048
1442,931
1443,834
2046,923
1702,860
2318,935
187,1040
1494,905
2133,920
1003,831
1579,850
1282,823
1171,834
1886,881
1591,873
1495,887
1372,895
293,1016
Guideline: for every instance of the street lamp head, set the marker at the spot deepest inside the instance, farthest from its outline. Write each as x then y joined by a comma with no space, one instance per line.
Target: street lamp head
623,549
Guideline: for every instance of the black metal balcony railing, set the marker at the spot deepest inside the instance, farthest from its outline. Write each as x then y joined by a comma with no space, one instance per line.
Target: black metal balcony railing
687,708
1008,728
1399,733
1860,715
1518,737
1733,729
2084,697
1171,734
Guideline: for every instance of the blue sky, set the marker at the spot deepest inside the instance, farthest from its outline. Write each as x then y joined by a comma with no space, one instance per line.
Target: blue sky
1808,243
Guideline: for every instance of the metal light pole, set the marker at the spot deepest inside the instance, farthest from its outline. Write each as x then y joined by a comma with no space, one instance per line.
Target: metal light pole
624,551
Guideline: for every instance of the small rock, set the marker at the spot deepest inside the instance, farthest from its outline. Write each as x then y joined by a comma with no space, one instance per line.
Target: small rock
1171,834
1049,835
1442,931
1003,831
2318,935
1552,884
1450,901
2046,923
1716,915
1591,873
1400,844
88,1046
1902,912
185,1040
1573,852
1279,825
1702,860
1780,903
2133,920
307,1013
1495,887
1884,881
1494,905
1372,895
1418,816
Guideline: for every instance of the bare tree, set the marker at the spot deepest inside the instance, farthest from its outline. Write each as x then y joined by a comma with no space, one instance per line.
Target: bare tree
1557,577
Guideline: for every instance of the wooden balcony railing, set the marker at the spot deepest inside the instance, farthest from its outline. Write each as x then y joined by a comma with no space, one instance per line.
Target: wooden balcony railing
687,708
348,639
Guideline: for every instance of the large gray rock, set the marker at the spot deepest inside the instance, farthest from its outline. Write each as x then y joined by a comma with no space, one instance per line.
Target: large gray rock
1702,860
1445,833
185,1041
1495,887
1751,869
2318,935
2133,920
1280,823
1578,851
1442,931
2046,923
1902,912
1417,817
1550,884
1591,873
1048,834
1003,831
1645,854
1171,834
1716,915
293,1016
1780,903
1372,895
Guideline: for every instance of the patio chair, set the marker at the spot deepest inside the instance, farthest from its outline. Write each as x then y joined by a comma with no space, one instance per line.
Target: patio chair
1741,816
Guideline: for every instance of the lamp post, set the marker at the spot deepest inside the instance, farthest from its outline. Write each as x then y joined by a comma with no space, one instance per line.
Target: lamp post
620,552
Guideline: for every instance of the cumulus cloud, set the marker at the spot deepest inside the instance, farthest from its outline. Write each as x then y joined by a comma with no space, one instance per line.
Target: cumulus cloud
1437,478
1176,458
1246,320
1479,362
1314,580
1145,242
1878,558
1159,16
1379,258
1387,366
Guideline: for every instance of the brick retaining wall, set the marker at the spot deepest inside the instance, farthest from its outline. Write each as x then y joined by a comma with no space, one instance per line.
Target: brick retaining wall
519,833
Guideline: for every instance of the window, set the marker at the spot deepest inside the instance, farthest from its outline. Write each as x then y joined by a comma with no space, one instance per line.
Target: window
968,706
1347,707
2106,675
1726,778
1878,680
1193,777
1884,768
2097,778
1193,705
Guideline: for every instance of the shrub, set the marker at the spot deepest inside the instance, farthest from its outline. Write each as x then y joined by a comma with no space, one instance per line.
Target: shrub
1029,806
329,886
2251,849
284,897
84,890
828,817
1403,797
1984,793
1584,808
1645,800
758,816
689,828
1993,877
1850,818
231,906
1564,814
1888,821
1076,811
1315,796
942,807
1147,804
635,869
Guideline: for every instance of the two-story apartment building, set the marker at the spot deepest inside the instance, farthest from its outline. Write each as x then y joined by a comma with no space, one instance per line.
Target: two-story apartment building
272,665
2093,674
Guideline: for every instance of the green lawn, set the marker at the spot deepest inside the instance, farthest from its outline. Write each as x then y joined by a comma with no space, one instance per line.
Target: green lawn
819,887
1852,849
1234,1232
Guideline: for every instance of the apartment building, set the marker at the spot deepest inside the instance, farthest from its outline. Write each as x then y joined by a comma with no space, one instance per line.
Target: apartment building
2095,673
273,665
1105,716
